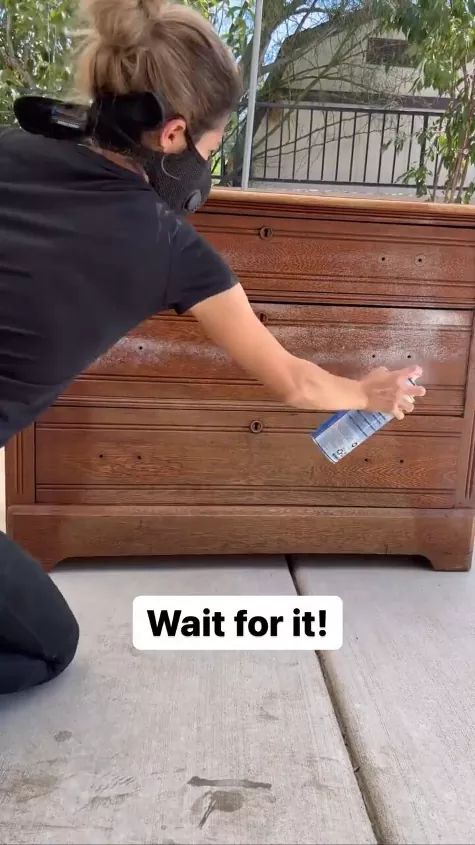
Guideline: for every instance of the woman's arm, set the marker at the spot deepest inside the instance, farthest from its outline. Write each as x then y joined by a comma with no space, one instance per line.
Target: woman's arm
230,322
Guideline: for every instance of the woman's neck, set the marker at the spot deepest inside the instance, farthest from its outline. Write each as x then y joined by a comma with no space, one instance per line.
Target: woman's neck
121,160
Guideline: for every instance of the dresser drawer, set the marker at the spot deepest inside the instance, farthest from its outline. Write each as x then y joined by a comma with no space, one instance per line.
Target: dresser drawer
169,357
210,456
321,260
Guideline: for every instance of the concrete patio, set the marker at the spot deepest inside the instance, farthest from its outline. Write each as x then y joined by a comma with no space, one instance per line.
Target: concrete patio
373,743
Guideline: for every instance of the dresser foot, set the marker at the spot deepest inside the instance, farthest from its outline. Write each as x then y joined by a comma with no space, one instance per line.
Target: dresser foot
448,545
458,560
48,564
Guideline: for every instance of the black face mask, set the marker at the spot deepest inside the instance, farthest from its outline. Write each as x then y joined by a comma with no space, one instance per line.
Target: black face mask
181,180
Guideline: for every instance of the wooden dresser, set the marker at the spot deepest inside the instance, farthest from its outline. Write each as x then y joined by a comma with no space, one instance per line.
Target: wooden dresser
164,447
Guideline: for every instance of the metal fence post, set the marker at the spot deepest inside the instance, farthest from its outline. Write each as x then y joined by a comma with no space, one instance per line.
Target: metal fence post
251,100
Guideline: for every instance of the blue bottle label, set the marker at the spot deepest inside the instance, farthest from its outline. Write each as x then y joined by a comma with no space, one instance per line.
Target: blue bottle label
344,432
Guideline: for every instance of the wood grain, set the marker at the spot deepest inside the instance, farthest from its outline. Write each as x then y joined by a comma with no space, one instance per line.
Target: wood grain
53,533
346,340
169,357
300,251
302,205
165,447
237,449
20,468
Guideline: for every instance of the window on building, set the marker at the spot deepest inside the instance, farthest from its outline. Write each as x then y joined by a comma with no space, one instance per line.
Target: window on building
388,51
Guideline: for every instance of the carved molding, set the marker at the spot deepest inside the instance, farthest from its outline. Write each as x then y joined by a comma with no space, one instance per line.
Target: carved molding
220,488
239,427
19,465
232,201
411,236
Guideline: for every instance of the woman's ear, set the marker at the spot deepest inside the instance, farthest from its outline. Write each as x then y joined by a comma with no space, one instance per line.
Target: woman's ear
170,138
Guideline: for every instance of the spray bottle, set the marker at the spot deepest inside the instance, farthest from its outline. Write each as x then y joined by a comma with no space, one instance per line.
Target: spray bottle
345,431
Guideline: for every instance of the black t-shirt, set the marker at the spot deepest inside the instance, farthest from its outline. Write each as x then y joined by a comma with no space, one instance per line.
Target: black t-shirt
87,252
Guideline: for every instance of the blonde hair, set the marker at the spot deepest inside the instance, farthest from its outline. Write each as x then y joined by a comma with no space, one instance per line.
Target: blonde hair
132,46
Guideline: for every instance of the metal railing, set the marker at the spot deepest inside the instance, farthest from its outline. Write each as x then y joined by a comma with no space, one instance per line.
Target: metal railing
339,145
314,144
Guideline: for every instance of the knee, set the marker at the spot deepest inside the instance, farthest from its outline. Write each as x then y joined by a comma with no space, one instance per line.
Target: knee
67,648
20,669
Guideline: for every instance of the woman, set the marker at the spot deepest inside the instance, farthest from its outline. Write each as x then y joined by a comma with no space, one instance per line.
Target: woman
93,241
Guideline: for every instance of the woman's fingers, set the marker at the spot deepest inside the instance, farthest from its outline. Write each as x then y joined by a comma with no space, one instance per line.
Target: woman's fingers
411,373
411,389
406,404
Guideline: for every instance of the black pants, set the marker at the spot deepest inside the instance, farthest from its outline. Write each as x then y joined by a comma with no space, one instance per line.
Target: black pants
38,632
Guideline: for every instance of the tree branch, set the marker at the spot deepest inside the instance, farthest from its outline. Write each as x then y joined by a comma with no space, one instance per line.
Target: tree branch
11,60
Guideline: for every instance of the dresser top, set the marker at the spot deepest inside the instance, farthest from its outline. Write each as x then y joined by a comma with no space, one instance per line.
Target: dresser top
235,200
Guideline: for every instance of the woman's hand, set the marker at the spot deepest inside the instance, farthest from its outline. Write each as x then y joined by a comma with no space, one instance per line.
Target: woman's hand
392,392
230,323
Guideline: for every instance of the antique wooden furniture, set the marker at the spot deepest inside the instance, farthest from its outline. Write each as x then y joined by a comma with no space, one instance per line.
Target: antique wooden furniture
165,447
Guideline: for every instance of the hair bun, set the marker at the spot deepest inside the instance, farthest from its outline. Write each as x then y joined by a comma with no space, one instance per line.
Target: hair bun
130,47
122,24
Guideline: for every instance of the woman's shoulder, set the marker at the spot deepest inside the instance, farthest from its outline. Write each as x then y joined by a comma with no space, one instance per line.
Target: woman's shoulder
25,155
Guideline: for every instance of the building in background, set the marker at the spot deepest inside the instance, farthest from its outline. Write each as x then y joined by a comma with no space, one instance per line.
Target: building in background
350,117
